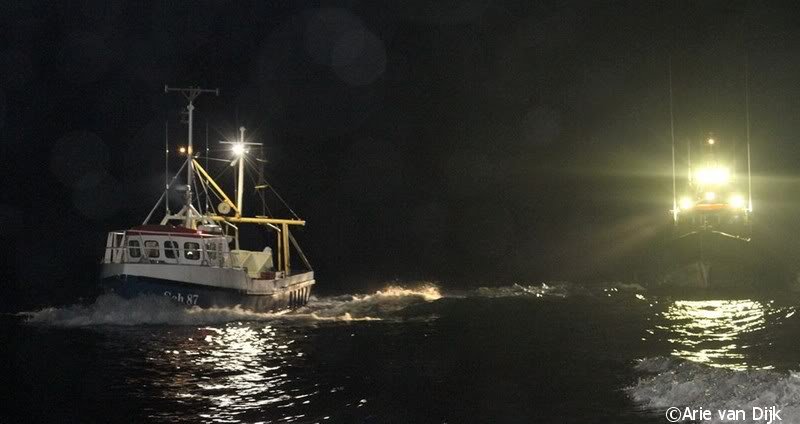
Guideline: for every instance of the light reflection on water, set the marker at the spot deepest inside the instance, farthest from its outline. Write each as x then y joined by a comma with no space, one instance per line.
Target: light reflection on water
233,373
717,333
483,357
232,365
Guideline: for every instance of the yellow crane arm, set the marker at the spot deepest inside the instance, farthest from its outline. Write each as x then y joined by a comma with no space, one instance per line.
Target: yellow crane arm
216,187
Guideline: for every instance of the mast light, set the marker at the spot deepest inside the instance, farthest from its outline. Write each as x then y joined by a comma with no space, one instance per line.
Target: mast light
238,149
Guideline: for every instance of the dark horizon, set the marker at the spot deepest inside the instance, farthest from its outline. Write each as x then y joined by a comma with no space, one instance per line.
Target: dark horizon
471,143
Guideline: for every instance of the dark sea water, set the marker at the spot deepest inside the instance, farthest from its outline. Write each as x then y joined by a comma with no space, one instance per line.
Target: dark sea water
549,353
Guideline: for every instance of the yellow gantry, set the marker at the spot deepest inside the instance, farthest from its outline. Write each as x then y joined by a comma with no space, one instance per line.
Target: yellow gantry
239,218
257,220
283,235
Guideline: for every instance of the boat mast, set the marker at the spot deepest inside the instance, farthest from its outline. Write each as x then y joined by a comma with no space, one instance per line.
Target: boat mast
239,149
190,93
240,180
672,135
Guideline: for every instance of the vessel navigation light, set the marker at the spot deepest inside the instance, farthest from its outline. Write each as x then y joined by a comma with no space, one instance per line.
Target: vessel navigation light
737,201
182,150
686,202
710,196
717,175
238,149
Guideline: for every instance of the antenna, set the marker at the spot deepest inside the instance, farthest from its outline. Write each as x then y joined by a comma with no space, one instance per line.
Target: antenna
166,167
190,93
672,135
208,206
689,158
747,121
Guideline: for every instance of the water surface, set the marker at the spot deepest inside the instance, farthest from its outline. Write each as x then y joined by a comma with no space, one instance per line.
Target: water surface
524,353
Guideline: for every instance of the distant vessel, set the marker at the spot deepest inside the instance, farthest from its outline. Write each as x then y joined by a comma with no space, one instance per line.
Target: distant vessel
710,245
187,255
711,239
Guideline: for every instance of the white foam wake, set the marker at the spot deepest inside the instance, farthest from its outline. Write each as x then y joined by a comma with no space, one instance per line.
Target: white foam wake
158,310
679,383
382,303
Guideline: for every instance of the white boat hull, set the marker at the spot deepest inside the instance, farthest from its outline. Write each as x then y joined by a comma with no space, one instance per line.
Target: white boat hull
206,286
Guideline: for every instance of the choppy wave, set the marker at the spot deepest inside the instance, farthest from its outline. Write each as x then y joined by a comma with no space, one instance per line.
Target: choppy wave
679,383
558,289
158,310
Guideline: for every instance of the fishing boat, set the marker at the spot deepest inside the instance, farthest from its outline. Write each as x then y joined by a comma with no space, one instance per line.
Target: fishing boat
193,256
711,239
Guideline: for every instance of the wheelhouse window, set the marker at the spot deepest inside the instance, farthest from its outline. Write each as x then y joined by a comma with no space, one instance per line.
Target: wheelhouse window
171,249
133,249
191,251
211,250
151,248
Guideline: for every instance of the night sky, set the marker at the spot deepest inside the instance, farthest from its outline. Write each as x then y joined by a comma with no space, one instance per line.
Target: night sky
470,142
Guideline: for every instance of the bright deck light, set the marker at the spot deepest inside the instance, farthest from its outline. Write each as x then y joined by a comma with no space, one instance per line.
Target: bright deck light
711,141
710,196
737,201
182,150
238,149
717,175
686,202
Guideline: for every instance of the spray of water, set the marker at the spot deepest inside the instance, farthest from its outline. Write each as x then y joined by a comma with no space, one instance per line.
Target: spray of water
157,310
678,383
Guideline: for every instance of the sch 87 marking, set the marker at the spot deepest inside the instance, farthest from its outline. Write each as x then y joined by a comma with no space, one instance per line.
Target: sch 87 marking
188,299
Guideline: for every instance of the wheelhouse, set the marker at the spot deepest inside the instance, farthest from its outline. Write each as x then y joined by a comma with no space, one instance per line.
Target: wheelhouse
167,245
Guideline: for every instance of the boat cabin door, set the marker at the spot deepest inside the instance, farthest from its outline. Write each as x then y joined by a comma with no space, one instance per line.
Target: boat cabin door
115,250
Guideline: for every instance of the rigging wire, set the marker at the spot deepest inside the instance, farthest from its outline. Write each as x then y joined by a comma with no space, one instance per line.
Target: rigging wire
264,207
164,194
250,162
278,196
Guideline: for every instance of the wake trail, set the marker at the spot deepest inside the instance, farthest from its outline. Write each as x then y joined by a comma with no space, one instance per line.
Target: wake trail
158,310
